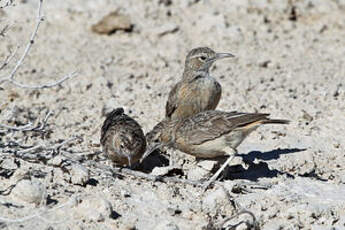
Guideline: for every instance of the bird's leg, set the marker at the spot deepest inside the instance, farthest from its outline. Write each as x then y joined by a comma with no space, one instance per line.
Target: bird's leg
129,161
232,152
172,158
215,176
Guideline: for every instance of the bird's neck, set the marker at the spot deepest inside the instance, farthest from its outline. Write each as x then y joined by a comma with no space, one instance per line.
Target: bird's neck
168,132
191,74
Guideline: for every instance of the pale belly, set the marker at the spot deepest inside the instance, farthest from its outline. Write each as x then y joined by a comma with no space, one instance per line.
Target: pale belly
224,145
210,149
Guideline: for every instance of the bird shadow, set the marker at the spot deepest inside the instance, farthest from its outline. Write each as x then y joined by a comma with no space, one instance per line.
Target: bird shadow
261,169
269,155
155,159
253,172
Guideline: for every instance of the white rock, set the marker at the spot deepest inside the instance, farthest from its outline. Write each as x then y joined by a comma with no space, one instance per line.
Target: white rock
30,191
58,176
162,171
79,174
214,199
8,164
94,208
202,170
207,164
198,173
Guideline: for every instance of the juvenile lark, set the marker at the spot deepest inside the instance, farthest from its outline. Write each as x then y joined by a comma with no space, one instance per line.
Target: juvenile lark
122,138
197,91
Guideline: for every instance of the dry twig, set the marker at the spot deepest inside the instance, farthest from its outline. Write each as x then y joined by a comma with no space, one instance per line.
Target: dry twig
145,176
8,59
46,85
53,149
35,153
149,177
7,4
29,126
254,225
4,30
10,77
39,152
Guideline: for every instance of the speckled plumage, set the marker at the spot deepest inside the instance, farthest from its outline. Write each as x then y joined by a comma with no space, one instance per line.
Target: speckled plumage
208,134
201,130
122,138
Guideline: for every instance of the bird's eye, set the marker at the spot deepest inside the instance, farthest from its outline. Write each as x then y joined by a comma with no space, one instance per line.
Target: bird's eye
122,146
203,58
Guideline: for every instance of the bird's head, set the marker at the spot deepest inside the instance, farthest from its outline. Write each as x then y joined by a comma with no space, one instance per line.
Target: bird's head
162,135
202,58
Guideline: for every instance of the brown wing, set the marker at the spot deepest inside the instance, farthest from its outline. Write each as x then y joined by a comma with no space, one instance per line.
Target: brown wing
210,125
171,105
215,98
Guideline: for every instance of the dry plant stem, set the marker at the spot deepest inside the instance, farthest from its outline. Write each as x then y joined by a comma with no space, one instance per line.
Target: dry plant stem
32,149
7,191
54,148
13,143
7,4
28,46
4,30
237,206
141,175
36,152
10,77
47,85
254,223
8,59
29,126
16,128
58,146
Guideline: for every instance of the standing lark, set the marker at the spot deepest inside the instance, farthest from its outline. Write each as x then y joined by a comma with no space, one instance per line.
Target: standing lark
197,91
208,134
122,138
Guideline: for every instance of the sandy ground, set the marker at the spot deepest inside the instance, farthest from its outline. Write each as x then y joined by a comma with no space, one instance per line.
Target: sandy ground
289,65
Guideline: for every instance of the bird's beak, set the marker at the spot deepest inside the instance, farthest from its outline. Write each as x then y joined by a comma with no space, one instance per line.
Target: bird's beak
223,55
